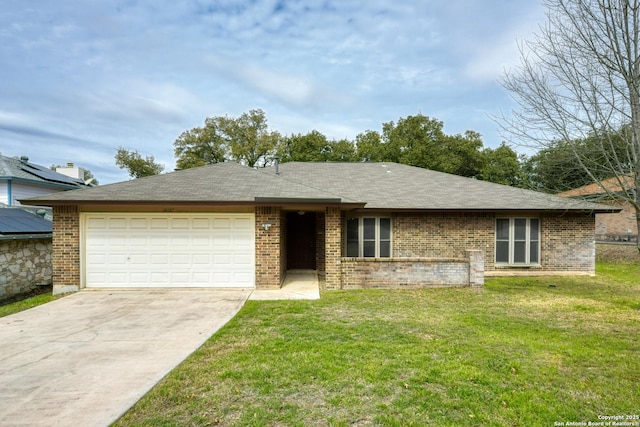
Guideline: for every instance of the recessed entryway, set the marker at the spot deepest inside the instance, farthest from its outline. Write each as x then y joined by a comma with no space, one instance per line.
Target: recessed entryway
301,240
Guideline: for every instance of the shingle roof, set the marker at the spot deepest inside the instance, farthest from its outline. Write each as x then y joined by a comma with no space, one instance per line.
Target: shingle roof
598,189
376,185
398,186
11,167
222,182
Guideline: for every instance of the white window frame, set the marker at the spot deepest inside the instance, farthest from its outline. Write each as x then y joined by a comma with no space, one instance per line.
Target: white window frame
529,239
361,238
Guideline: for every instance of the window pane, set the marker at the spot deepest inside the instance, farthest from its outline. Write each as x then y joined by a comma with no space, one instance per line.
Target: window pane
385,249
385,228
502,229
534,229
533,252
352,249
520,229
353,242
369,248
502,252
369,226
519,252
352,229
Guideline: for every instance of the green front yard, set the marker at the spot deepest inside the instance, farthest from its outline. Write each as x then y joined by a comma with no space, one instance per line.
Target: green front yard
521,352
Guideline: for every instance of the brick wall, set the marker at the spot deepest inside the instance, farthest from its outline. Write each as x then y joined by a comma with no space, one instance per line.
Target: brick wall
443,235
431,249
408,273
333,248
617,226
270,248
567,243
24,265
320,243
66,249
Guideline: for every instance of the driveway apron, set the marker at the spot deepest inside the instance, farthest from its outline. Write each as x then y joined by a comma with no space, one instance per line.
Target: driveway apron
86,358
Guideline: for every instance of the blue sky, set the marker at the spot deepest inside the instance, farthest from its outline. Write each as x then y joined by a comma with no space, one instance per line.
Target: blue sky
80,78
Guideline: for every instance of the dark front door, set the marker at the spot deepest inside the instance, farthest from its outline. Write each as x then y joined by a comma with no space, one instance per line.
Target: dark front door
301,241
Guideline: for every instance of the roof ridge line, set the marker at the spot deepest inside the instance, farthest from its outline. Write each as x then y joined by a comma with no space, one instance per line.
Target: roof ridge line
279,175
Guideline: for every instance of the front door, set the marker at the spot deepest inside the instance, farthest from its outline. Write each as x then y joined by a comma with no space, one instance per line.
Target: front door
301,241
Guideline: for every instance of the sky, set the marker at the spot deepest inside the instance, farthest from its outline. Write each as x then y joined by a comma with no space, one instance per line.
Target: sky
80,78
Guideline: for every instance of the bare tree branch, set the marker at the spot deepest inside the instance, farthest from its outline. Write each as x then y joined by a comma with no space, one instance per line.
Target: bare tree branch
579,80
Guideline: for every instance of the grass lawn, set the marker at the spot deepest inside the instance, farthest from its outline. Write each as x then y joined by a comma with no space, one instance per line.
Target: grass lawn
522,352
7,308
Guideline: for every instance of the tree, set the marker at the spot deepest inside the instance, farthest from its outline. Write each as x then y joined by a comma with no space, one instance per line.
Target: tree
136,165
579,79
245,139
502,166
370,148
201,146
421,141
249,139
554,169
341,150
315,147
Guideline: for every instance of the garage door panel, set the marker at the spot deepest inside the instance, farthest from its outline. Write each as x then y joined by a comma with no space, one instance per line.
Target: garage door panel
139,223
174,250
117,223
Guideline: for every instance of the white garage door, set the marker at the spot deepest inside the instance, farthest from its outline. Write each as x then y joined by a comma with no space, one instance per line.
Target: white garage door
169,250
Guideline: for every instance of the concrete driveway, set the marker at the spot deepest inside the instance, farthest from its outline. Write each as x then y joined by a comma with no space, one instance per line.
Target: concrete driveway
85,359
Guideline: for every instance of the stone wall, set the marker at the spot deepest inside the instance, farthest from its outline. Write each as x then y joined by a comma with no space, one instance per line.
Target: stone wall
24,265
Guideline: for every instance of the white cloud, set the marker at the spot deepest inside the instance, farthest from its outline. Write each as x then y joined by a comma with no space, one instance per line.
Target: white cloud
103,74
294,90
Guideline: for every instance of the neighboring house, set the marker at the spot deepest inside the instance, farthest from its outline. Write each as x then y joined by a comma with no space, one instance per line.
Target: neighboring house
358,224
25,233
25,251
20,179
618,227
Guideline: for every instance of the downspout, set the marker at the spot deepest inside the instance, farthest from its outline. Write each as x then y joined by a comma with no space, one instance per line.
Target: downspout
9,197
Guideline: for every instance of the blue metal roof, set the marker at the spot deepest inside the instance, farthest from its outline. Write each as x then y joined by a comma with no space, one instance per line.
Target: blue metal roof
18,221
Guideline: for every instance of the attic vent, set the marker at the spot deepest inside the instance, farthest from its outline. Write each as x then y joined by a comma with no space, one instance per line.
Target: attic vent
24,159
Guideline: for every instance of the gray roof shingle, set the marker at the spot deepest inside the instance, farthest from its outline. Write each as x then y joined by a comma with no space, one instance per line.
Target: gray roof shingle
378,185
11,167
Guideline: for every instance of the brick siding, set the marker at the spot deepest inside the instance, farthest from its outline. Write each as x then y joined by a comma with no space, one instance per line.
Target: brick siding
443,235
66,249
431,249
423,244
270,247
567,243
622,226
320,244
409,273
333,248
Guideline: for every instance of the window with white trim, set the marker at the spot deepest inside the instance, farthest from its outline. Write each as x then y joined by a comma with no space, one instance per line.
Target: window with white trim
368,237
518,241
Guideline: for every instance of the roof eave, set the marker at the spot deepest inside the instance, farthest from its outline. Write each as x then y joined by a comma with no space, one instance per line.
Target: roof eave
258,202
42,182
25,236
